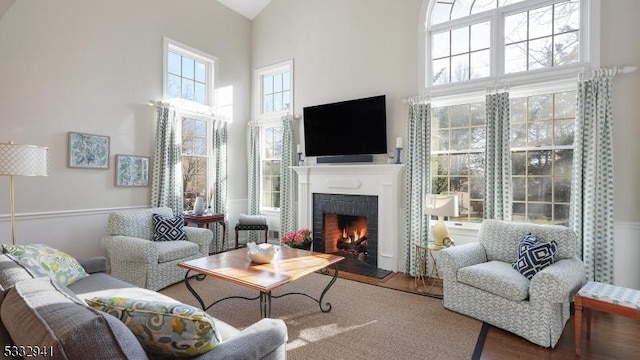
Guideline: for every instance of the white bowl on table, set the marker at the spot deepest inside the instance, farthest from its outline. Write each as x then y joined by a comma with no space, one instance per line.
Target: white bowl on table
261,254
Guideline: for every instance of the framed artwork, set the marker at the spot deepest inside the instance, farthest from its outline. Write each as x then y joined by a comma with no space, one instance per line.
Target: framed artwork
132,170
88,151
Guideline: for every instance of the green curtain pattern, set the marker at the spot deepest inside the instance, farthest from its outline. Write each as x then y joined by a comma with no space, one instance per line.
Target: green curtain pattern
497,183
221,181
591,214
166,180
287,211
253,173
417,181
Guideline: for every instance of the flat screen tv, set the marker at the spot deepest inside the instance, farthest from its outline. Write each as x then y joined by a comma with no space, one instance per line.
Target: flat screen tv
353,127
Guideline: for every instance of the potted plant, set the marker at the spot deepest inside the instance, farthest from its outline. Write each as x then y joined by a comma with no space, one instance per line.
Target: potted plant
300,239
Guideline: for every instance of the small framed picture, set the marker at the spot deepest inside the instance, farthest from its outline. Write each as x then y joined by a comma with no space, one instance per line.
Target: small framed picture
88,151
132,170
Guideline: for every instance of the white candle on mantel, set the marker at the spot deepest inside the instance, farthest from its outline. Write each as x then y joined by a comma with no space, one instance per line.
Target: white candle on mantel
398,142
298,149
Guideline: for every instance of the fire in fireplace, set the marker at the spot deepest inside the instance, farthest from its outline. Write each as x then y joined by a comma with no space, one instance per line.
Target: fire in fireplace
346,235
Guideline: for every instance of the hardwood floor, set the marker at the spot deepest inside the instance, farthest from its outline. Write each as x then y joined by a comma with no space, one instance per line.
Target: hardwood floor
612,336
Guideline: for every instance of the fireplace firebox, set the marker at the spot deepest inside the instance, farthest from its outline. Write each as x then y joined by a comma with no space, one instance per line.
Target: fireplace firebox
346,225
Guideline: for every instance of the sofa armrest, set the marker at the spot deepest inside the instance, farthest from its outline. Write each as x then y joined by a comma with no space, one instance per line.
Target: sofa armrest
266,339
130,249
95,264
456,257
200,236
557,283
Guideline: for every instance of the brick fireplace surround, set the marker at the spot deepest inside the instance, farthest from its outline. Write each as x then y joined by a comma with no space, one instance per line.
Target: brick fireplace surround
379,180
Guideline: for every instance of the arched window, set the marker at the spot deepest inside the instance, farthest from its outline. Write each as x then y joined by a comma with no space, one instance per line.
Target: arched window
534,48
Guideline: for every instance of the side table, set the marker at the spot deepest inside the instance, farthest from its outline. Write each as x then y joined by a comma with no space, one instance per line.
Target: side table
423,253
208,219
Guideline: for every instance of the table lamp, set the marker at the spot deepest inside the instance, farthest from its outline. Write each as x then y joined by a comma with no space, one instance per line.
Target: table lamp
441,206
21,160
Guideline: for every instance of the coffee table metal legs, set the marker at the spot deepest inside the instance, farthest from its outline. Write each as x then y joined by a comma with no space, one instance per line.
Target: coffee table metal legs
265,297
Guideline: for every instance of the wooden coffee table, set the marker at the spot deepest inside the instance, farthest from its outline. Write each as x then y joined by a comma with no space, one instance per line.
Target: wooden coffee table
235,266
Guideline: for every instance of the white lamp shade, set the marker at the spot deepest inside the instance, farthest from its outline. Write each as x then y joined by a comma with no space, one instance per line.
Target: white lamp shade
441,205
23,160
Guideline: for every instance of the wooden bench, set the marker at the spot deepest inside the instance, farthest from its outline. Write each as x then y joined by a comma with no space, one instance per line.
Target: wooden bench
606,298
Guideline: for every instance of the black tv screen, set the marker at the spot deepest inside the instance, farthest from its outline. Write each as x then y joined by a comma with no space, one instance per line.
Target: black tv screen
353,127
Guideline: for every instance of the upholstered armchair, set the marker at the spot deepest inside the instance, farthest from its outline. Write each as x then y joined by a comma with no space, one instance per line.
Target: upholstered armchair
138,260
479,281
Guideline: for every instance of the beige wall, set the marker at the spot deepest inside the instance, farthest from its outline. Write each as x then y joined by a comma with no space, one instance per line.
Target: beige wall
92,66
349,49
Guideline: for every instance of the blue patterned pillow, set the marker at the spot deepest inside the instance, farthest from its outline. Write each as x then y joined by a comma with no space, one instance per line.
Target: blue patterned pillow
534,255
168,229
42,260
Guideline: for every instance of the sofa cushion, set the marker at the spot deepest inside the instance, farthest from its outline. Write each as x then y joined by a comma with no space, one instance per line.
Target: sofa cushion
534,255
163,329
11,271
174,250
43,260
168,229
37,311
496,277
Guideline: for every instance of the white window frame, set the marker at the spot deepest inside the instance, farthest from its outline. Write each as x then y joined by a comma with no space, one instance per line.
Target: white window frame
272,119
210,162
210,62
528,83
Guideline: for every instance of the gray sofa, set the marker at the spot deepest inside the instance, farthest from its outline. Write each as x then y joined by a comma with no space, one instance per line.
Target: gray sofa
479,281
40,312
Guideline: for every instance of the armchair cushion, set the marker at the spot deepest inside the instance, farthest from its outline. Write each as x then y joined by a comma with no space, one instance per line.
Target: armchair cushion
174,250
165,229
534,255
496,277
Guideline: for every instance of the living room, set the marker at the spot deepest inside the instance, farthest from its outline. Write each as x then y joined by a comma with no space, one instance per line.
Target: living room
94,66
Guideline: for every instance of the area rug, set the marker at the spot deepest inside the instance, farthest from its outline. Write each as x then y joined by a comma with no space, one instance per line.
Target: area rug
366,321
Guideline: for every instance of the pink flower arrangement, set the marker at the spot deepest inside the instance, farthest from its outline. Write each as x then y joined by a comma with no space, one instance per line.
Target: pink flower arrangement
297,238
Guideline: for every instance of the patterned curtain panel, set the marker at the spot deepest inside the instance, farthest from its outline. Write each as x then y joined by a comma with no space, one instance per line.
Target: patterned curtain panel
591,215
417,182
287,211
220,144
497,183
166,180
253,173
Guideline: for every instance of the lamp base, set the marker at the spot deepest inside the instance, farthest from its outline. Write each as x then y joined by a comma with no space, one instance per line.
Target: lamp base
439,232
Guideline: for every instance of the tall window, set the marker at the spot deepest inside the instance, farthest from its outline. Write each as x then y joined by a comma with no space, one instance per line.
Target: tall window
274,97
535,48
188,83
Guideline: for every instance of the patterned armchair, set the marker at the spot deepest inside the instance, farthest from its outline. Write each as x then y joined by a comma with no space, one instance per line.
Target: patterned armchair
479,281
138,260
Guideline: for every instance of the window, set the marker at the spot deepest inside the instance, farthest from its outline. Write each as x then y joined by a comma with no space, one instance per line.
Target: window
188,84
188,77
195,159
274,99
457,156
535,48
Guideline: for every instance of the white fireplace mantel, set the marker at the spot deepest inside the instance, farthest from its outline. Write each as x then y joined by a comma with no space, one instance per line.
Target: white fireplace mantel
381,180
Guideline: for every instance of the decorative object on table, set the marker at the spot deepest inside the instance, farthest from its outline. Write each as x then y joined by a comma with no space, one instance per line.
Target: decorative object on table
88,151
198,206
441,206
300,239
261,254
132,170
398,149
21,160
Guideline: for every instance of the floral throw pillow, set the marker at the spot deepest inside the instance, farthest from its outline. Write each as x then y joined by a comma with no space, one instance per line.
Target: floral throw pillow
534,255
163,329
43,260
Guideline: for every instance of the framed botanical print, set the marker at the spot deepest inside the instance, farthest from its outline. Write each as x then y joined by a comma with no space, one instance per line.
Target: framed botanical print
132,170
88,151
